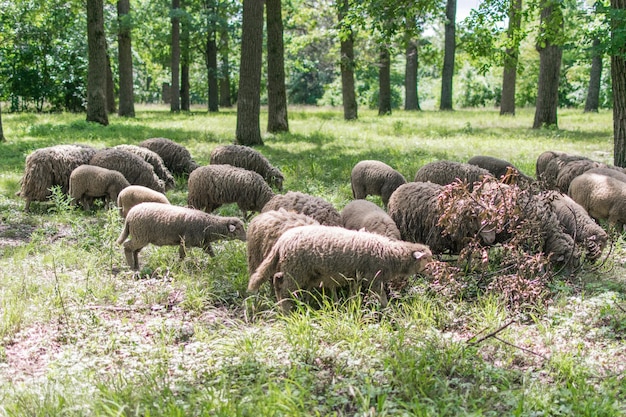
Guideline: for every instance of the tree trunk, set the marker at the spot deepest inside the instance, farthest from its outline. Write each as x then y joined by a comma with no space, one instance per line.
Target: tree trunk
411,98
224,80
248,131
618,76
185,60
447,74
595,77
550,54
2,138
97,66
384,82
511,57
111,109
277,120
211,65
175,63
347,64
125,58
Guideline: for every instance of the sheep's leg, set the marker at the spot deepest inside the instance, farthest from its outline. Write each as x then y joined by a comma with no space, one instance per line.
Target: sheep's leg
209,250
284,287
132,254
378,287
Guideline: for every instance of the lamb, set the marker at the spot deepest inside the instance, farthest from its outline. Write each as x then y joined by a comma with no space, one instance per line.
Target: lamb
266,228
47,167
153,159
132,195
133,167
447,172
372,177
309,257
165,225
577,223
315,207
175,156
213,185
88,182
365,215
499,168
603,197
250,159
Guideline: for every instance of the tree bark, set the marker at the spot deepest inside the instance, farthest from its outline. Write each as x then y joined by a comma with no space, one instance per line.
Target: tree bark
618,76
411,98
2,138
592,103
111,109
511,58
277,118
384,82
350,110
175,63
224,80
97,66
185,61
248,131
447,74
550,54
125,58
211,65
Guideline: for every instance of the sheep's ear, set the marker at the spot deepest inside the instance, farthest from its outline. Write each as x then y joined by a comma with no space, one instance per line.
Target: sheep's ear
419,255
232,228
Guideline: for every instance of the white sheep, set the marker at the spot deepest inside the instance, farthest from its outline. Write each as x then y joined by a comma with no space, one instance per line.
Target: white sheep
165,225
309,257
318,208
136,170
250,159
175,156
603,197
88,182
365,215
371,177
447,172
153,159
211,186
132,195
266,228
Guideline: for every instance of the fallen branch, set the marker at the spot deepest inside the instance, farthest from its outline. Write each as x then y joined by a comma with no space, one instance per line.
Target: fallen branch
521,348
492,334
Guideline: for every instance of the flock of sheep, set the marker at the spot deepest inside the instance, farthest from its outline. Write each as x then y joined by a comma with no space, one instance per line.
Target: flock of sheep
300,241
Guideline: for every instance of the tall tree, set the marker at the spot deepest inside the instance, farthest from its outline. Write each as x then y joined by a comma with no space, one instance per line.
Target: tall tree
511,58
595,78
277,118
125,58
447,73
97,67
185,62
110,93
618,76
224,79
211,65
550,55
248,131
175,62
2,138
346,36
411,98
384,81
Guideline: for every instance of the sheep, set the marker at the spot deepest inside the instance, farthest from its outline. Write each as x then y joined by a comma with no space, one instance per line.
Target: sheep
133,167
153,159
89,181
132,195
47,167
372,177
211,186
415,209
165,225
315,207
553,167
542,162
266,228
577,223
309,257
573,169
175,156
609,171
365,215
603,197
500,168
248,158
446,172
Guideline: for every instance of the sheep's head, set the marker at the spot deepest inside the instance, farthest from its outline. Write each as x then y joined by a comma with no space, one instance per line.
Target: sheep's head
276,178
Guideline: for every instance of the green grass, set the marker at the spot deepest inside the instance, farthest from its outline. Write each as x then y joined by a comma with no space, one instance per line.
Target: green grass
81,334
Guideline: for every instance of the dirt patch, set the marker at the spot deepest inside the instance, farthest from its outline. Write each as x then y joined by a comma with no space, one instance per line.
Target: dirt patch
15,234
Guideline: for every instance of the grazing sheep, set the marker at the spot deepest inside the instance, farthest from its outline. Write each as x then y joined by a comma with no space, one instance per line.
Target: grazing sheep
132,195
610,171
542,162
447,172
415,209
554,166
266,228
133,167
363,214
573,169
577,223
47,167
175,156
88,182
250,159
603,197
375,178
309,257
153,159
315,207
213,185
165,225
499,168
